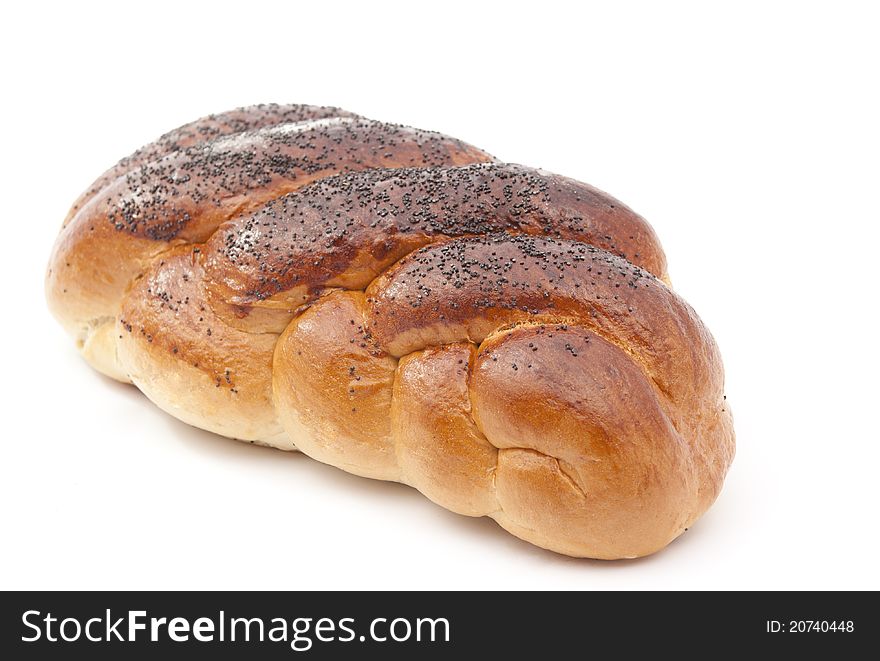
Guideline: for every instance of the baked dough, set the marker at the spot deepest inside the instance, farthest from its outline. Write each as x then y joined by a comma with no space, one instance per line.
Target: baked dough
401,305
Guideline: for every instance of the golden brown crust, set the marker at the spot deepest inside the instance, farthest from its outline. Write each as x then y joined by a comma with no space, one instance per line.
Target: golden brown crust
576,436
568,424
467,287
333,388
578,471
185,195
345,230
498,337
167,338
440,450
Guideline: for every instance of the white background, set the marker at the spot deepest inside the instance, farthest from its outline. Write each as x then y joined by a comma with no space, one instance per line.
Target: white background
747,136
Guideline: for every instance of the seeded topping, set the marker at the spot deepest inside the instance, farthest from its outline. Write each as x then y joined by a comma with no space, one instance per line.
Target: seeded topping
513,272
314,234
159,199
210,128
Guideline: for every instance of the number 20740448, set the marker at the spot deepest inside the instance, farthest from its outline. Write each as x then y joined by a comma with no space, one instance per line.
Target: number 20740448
810,626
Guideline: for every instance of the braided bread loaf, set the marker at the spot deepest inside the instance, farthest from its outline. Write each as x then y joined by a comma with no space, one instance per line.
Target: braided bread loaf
400,305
